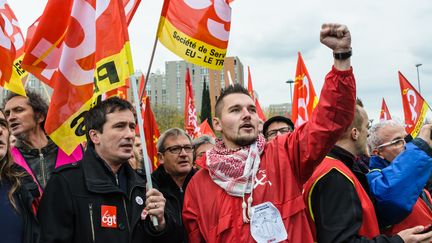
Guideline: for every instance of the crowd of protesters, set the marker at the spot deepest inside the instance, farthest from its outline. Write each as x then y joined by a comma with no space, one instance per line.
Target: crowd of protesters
335,178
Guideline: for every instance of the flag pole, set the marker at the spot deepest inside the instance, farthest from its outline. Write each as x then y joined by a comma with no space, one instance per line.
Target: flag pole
141,131
147,77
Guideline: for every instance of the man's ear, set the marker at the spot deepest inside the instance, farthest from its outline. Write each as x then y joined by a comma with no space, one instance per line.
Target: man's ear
39,118
94,136
160,158
355,134
376,152
217,126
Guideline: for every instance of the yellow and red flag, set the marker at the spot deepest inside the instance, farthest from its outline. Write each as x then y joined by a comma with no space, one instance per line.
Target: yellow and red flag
11,51
385,113
204,128
252,94
196,30
414,105
191,124
305,98
75,50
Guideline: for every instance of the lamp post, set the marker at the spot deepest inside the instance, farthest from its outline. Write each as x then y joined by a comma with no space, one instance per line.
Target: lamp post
290,82
418,76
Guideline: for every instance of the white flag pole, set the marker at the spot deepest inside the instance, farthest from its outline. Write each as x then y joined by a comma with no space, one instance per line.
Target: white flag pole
141,131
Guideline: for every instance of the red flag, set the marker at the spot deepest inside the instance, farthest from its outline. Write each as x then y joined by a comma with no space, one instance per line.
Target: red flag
385,113
151,132
81,57
205,128
11,51
305,98
130,7
191,124
252,94
414,105
196,31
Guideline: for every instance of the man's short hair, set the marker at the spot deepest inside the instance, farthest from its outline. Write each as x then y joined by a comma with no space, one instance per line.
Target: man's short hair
172,132
36,102
232,89
373,140
358,119
277,119
96,116
203,139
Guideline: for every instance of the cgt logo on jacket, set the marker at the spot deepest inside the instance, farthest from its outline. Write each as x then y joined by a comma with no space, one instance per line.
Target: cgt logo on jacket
109,216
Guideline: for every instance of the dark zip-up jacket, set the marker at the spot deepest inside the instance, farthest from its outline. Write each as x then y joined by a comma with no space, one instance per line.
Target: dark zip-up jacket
86,202
41,161
174,196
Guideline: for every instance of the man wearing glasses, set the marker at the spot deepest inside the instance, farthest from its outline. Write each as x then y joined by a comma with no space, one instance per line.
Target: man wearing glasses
175,152
277,125
399,172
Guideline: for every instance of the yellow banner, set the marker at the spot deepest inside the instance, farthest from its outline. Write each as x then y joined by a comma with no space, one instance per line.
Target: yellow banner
111,73
15,84
420,121
190,49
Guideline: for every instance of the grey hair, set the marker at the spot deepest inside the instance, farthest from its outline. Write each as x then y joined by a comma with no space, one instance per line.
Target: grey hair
203,139
373,140
175,132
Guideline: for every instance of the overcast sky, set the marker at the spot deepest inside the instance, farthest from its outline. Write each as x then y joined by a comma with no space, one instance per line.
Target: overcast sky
387,36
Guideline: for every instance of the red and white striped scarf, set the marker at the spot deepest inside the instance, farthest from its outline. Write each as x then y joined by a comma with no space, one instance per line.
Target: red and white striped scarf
233,169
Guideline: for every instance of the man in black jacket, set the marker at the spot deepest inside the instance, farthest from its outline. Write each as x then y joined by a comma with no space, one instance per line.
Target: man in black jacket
101,198
172,176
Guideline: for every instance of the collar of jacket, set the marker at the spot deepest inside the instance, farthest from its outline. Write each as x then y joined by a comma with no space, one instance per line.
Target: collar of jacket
164,180
99,177
343,155
26,149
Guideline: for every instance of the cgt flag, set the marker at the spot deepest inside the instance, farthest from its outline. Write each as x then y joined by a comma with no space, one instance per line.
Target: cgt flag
191,123
205,128
414,105
305,98
385,113
11,51
196,30
80,56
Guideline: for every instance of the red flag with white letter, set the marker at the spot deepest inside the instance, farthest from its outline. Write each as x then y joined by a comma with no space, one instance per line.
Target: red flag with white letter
196,30
130,7
11,51
191,124
305,98
414,105
81,57
385,113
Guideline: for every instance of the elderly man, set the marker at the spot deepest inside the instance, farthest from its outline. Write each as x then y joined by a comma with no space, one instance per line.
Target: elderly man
174,173
101,198
34,150
277,125
339,183
399,172
250,190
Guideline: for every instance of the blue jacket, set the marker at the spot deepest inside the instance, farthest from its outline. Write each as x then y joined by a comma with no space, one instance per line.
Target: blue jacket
397,186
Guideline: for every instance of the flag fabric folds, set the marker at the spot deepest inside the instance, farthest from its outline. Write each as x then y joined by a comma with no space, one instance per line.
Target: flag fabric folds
11,51
385,113
191,123
196,31
204,128
252,94
414,105
80,57
151,132
305,98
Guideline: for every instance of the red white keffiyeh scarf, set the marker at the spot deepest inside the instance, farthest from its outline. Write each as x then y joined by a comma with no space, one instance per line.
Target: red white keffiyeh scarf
235,169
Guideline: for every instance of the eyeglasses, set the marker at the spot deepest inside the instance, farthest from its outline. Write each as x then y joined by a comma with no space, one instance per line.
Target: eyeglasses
396,143
274,132
176,149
